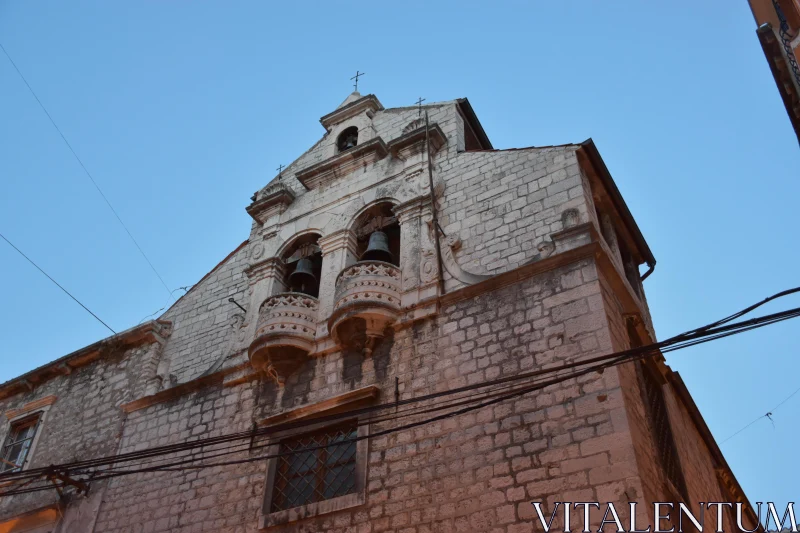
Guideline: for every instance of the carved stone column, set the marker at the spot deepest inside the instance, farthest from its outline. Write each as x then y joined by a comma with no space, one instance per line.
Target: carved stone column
338,251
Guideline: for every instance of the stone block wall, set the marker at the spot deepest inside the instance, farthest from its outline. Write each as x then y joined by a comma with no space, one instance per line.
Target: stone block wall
84,421
504,204
201,321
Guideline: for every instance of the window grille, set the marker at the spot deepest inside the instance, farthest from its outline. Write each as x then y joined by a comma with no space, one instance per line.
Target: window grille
18,444
308,476
662,431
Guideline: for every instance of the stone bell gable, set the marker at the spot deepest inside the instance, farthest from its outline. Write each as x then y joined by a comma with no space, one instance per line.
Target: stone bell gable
402,255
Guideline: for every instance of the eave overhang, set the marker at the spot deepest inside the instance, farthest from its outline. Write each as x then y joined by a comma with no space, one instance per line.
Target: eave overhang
368,103
590,150
147,333
782,73
469,115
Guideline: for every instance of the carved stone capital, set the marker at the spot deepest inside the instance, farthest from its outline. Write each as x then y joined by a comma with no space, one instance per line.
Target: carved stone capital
412,209
269,268
343,239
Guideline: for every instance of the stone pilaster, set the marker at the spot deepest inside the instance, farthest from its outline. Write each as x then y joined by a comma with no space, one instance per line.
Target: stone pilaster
338,252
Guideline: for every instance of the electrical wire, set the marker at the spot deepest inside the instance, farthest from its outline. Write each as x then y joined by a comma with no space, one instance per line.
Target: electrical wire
765,415
85,170
707,333
56,283
635,352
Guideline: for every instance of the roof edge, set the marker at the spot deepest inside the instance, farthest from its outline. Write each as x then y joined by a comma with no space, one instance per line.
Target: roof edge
622,208
472,118
151,331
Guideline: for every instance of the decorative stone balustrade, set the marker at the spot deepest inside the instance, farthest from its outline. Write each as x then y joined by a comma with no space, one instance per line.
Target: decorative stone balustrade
366,302
287,323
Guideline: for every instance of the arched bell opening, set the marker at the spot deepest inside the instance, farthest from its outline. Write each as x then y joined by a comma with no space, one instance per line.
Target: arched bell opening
378,235
347,139
303,261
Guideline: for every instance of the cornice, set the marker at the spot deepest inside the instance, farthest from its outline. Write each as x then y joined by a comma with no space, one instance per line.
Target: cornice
342,164
147,333
274,200
368,103
414,142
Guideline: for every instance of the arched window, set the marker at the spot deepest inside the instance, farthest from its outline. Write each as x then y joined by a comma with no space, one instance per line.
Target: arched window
347,139
303,260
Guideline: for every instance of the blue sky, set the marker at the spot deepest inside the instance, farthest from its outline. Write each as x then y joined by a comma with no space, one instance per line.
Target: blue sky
182,110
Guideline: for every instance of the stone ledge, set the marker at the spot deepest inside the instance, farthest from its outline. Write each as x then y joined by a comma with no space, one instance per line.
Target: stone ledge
31,406
342,164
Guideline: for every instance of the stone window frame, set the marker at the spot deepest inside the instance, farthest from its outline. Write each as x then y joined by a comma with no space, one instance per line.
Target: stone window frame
336,405
38,408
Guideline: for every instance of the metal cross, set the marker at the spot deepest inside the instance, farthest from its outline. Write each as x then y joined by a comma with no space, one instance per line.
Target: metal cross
280,169
419,103
356,78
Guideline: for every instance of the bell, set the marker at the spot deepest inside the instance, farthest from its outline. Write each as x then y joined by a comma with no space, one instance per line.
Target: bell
303,278
378,248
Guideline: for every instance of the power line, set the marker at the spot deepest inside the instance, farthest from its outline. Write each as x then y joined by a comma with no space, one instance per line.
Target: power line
768,414
91,471
91,178
57,284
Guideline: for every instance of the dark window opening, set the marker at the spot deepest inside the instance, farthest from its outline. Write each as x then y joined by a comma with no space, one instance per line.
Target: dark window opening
347,139
316,467
18,444
658,417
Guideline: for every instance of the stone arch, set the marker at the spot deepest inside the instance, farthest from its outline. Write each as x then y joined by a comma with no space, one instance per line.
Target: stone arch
377,215
301,257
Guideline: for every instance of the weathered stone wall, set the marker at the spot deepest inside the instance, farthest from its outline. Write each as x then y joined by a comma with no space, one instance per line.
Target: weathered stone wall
503,204
476,472
84,421
202,321
586,439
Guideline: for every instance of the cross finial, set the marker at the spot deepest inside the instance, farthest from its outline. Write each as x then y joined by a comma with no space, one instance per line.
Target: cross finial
419,103
280,169
356,78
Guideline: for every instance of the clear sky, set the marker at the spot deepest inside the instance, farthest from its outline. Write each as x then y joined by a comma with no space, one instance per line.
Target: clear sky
182,110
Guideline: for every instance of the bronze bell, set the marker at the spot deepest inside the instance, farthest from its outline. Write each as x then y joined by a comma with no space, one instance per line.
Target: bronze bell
303,278
378,248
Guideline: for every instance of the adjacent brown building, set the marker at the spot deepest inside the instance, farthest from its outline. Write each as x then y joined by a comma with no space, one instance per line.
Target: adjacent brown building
779,33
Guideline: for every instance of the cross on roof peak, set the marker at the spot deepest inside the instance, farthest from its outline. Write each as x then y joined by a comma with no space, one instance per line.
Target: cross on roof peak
358,74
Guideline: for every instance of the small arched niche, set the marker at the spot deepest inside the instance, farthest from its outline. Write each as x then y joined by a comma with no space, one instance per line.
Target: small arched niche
347,139
377,233
303,262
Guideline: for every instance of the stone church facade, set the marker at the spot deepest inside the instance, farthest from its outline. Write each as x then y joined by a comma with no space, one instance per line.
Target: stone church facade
378,271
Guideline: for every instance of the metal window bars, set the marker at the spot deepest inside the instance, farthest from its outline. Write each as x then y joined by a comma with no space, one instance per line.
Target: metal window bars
308,476
18,444
786,39
662,432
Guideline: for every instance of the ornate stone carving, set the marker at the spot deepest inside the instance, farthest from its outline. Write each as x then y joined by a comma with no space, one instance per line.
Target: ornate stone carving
414,124
367,301
427,268
285,334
